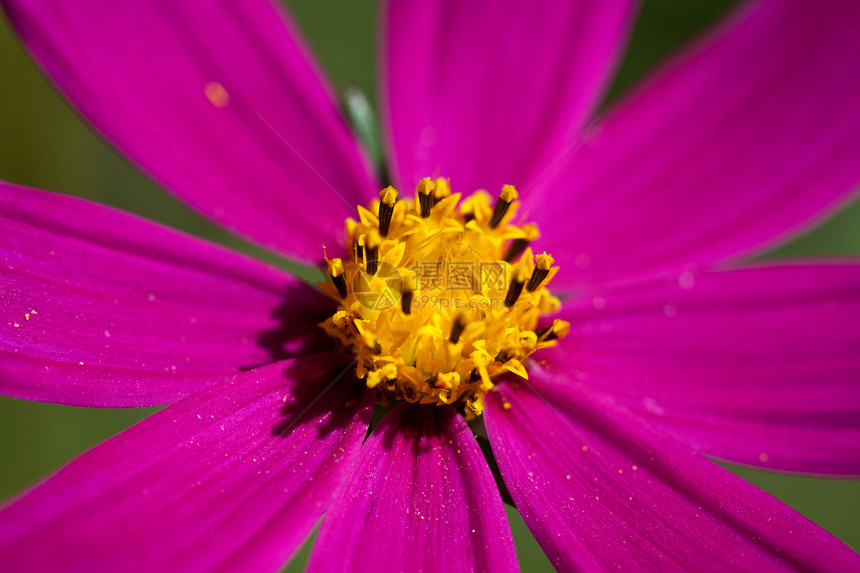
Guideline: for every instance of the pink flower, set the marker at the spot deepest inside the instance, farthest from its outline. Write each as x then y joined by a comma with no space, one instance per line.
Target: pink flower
676,348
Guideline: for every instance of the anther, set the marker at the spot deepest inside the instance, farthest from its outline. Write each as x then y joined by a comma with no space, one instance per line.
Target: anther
503,203
425,196
387,199
338,276
516,287
457,328
409,393
371,251
519,245
558,329
406,301
541,270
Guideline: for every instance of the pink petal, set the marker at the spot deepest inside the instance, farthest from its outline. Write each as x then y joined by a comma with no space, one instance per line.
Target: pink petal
488,93
230,479
748,139
217,101
101,308
602,490
758,366
420,498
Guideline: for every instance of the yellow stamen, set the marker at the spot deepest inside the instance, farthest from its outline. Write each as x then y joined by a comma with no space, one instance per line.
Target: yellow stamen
539,273
457,328
387,199
424,193
371,251
509,194
516,286
432,303
558,329
335,267
503,203
544,262
388,195
336,272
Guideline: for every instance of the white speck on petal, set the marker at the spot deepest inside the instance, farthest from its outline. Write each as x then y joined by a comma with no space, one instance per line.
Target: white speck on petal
652,406
686,280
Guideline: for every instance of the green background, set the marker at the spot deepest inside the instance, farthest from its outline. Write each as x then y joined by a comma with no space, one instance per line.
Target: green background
45,145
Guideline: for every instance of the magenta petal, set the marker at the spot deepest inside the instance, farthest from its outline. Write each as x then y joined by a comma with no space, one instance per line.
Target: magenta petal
758,366
230,479
751,137
218,101
489,92
601,490
101,308
420,498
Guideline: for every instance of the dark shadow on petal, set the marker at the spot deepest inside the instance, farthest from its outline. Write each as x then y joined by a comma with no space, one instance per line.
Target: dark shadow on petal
296,331
421,422
329,395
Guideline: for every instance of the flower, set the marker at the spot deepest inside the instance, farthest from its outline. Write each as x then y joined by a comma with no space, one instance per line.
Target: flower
675,348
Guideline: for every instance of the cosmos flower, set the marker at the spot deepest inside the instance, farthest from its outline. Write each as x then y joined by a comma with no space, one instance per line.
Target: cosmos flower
674,348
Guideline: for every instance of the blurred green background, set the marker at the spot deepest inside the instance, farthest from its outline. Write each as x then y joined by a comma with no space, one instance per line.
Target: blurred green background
45,145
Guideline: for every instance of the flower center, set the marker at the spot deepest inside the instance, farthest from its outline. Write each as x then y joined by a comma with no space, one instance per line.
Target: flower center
439,297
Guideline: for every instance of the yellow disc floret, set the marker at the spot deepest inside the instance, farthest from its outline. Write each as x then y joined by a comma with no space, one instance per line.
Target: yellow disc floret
437,297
